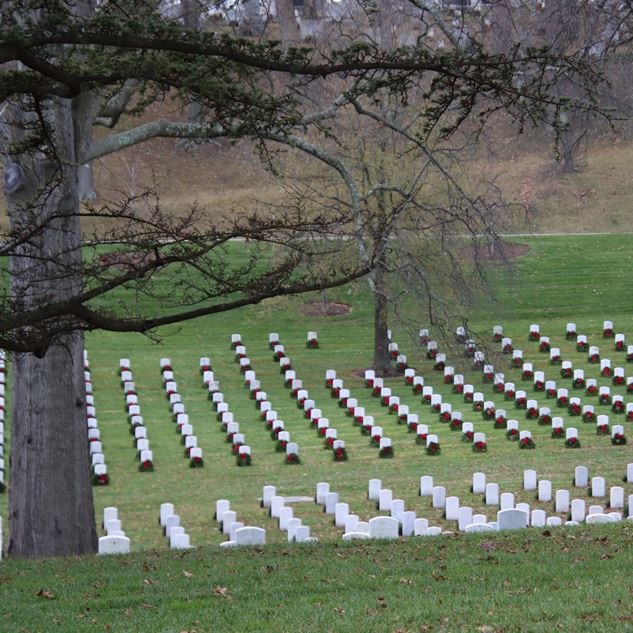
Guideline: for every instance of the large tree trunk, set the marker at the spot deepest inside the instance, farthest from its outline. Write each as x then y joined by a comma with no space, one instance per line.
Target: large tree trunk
50,492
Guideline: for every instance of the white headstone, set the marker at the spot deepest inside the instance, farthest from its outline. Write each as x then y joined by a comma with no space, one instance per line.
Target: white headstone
529,480
561,503
598,487
512,519
479,483
383,527
544,490
439,497
492,494
426,485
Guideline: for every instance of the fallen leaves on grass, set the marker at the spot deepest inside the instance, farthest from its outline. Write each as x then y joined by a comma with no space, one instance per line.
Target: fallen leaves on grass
187,574
223,592
45,593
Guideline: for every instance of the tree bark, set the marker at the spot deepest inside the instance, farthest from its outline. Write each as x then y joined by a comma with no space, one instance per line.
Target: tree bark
51,509
288,27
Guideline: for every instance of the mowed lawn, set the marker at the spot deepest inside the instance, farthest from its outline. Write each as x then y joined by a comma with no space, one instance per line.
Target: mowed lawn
517,582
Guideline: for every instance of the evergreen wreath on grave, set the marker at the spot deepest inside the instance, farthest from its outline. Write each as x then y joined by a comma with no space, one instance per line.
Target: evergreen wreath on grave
629,358
588,416
618,380
604,398
421,438
480,447
280,446
500,422
100,480
516,362
312,343
488,413
339,454
235,448
147,465
468,397
534,335
3,487
566,372
602,429
562,401
617,407
570,335
618,439
507,349
456,424
292,458
526,443
445,417
608,333
558,431
243,459
196,462
532,413
439,365
375,440
417,389
509,394
234,344
413,427
467,436
433,448
512,434
329,442
545,420
582,346
539,385
592,390
572,442
594,358
579,383
386,452
544,347
555,360
605,372
458,388
574,409
520,403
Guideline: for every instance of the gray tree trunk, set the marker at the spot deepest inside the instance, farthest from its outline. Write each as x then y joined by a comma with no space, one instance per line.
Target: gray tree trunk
51,509
288,27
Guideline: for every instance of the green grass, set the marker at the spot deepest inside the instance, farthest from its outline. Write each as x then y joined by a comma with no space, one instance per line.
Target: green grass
581,279
535,580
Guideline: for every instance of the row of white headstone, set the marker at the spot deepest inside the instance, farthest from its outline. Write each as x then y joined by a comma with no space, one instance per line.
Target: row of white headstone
468,390
115,541
183,425
238,534
224,415
95,446
279,509
137,425
562,396
175,533
375,432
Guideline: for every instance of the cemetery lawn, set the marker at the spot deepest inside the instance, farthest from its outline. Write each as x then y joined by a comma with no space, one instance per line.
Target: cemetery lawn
533,580
574,578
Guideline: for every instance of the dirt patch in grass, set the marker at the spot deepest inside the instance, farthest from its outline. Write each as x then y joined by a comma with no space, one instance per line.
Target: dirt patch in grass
498,251
318,308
